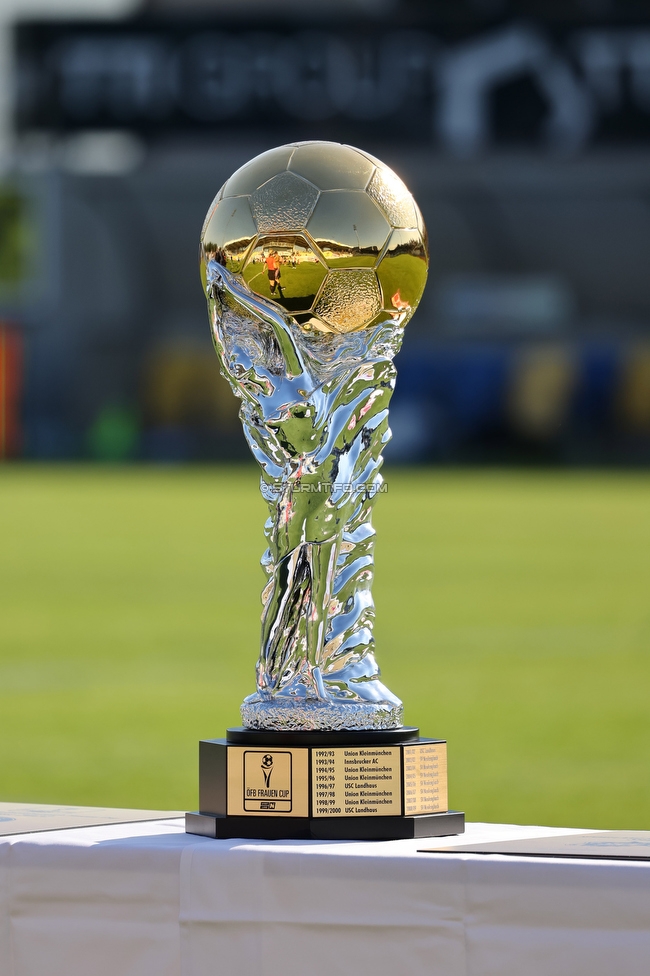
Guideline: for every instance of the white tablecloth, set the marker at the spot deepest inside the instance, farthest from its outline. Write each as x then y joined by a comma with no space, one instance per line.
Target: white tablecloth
149,900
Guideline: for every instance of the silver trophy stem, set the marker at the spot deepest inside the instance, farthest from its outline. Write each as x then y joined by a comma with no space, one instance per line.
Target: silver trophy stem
315,415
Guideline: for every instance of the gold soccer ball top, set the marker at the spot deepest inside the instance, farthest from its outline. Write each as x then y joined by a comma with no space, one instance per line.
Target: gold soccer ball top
326,231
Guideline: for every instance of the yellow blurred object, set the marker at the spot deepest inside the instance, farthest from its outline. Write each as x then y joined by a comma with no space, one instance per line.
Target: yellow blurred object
183,386
541,388
634,394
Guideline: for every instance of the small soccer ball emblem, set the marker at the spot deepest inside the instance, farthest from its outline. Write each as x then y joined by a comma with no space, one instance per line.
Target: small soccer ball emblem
327,231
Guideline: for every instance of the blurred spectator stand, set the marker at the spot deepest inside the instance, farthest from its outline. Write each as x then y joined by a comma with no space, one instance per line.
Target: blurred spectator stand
523,130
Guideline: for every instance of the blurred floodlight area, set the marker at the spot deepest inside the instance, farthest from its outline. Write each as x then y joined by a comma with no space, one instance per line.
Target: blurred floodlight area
523,129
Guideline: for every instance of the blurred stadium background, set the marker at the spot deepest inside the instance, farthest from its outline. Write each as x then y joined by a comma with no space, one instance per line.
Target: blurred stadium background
523,129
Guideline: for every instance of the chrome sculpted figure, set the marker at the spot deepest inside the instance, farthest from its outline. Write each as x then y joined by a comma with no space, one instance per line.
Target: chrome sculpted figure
313,259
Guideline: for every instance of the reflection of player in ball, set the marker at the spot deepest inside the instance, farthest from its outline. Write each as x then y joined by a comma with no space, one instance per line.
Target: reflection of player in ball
273,271
315,387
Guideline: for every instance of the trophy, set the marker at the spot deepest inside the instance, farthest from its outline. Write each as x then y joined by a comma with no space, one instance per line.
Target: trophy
313,259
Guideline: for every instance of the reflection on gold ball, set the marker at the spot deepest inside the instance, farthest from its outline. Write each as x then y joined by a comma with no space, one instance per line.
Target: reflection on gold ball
328,232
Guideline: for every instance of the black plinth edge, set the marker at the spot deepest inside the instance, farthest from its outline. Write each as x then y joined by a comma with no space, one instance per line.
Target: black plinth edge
264,737
326,828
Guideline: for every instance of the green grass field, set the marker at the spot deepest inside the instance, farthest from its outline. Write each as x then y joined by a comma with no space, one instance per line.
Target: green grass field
305,280
513,619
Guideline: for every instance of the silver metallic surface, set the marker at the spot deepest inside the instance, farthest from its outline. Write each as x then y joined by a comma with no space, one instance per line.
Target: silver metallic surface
315,390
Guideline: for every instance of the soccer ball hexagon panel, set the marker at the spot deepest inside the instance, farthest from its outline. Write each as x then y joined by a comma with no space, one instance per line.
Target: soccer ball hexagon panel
327,232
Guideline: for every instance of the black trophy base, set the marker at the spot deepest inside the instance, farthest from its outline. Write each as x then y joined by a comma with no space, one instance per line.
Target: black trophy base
327,828
356,785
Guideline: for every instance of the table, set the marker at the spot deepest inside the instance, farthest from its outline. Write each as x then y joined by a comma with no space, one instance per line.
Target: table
140,899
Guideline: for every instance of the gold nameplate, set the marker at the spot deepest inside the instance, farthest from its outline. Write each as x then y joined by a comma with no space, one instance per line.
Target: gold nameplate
361,781
268,781
346,781
425,778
